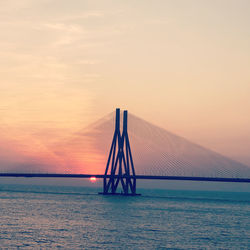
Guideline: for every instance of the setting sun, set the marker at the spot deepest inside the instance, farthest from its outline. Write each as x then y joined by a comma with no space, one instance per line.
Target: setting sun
92,179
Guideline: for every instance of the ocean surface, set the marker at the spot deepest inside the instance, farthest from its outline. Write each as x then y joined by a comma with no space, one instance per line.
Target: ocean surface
45,217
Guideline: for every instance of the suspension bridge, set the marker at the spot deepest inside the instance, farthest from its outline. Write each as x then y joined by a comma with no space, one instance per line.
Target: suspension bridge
173,154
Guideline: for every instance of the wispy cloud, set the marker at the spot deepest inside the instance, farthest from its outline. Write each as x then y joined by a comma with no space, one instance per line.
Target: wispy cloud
63,27
84,15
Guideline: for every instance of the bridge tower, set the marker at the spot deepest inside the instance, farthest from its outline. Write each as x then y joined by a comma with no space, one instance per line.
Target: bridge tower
120,167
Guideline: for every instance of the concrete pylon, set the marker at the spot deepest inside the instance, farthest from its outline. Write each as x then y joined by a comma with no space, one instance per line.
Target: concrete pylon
120,166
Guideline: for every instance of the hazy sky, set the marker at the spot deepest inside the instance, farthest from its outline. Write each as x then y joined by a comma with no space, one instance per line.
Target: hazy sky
183,65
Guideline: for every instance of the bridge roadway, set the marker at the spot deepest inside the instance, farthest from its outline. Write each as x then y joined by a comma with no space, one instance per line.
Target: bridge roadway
141,177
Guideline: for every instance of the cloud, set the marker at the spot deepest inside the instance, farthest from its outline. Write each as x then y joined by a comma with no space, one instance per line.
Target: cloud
89,62
63,27
84,15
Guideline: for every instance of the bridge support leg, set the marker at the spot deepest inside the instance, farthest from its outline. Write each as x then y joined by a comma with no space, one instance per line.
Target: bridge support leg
120,166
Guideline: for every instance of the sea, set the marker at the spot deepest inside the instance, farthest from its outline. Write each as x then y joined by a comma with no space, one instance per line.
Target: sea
52,217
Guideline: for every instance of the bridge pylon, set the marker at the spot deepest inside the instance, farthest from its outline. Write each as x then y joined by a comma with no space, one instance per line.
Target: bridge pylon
120,166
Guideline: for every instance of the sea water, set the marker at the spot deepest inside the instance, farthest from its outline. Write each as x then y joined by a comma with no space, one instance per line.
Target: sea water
45,217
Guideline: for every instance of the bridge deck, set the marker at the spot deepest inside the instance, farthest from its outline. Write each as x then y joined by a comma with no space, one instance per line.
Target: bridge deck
142,177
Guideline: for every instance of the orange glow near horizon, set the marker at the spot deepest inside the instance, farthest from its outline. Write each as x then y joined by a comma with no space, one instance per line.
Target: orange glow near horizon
92,179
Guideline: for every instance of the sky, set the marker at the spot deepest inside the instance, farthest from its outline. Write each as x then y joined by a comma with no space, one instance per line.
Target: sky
183,65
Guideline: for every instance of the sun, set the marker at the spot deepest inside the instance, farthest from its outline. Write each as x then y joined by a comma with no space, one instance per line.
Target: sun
92,179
